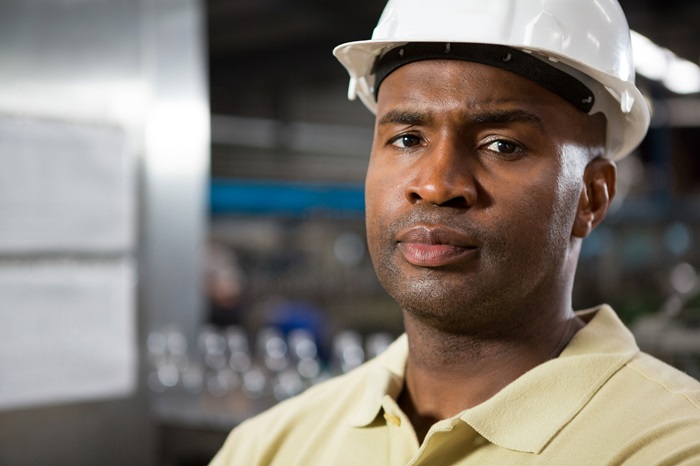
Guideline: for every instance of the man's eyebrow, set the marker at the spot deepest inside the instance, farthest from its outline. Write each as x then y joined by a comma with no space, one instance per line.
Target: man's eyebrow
402,117
503,117
499,117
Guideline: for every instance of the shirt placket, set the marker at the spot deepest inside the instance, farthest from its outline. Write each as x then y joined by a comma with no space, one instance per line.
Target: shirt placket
447,439
402,438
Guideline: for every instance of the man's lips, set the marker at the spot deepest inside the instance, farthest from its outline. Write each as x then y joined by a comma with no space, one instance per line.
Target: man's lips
433,246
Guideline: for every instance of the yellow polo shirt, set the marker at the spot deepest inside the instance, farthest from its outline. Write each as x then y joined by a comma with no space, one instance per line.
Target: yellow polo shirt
601,402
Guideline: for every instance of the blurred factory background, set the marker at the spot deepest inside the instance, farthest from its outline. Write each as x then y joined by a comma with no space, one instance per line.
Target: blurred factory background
181,218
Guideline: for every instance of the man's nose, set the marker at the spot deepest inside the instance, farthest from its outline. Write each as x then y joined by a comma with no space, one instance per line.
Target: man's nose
443,176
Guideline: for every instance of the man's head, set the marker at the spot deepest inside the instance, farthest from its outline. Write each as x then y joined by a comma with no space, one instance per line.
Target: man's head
491,156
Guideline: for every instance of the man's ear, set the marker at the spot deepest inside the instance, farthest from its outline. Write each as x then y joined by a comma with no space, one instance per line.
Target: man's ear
597,193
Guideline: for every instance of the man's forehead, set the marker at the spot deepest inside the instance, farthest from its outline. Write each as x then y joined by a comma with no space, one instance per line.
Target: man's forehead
424,89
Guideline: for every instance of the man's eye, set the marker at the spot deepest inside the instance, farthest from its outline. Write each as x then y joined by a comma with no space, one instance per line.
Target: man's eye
504,147
406,140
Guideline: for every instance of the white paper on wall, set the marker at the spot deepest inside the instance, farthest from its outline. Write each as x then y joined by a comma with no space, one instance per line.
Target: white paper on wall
67,331
64,187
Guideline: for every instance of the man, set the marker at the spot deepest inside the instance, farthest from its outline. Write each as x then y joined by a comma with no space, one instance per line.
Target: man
496,130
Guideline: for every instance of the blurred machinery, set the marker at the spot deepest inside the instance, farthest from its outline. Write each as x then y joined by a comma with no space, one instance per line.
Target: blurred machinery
673,333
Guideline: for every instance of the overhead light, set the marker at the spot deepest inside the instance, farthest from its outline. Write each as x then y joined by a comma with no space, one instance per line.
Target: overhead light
650,60
660,64
683,77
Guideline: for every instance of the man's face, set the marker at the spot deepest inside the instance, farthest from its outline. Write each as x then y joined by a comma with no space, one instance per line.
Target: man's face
471,192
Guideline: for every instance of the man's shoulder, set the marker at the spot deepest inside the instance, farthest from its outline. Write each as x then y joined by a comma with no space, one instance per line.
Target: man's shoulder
651,409
671,385
632,375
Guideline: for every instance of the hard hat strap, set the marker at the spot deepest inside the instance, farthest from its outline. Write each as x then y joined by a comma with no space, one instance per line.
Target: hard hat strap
499,56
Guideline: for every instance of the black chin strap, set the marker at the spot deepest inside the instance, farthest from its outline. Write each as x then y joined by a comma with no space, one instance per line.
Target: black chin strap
499,56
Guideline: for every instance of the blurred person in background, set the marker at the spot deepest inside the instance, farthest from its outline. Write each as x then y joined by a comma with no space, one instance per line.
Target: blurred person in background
498,125
224,286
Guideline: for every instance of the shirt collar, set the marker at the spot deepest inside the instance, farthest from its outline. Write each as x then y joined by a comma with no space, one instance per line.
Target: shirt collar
385,377
518,417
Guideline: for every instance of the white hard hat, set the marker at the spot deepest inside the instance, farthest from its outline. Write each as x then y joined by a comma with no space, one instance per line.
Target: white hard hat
588,40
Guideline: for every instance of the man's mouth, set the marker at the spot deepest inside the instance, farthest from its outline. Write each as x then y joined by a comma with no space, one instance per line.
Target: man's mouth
434,246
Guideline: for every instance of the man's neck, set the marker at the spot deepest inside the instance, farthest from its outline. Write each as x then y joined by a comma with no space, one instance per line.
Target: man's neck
448,373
